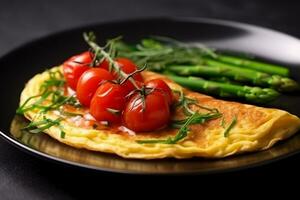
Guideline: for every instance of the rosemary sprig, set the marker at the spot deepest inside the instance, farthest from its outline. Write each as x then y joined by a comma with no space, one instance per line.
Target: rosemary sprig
160,52
204,117
195,118
200,48
186,102
101,54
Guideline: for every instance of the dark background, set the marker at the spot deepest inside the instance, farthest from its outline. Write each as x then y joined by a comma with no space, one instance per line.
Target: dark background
25,177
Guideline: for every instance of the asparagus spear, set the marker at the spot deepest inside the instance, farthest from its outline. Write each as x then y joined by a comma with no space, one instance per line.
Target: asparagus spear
159,57
255,65
277,82
252,94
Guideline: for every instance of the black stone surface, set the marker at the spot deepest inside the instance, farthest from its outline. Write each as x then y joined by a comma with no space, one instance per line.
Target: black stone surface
25,177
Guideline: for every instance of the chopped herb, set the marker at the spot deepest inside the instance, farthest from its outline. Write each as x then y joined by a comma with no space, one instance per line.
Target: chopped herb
55,80
62,134
51,89
24,107
223,122
73,101
231,125
57,100
71,114
40,126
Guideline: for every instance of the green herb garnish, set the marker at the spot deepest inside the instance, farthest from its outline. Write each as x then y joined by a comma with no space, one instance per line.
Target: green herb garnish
195,118
37,104
40,126
62,134
52,91
192,118
204,117
55,80
158,54
103,53
70,114
223,122
231,125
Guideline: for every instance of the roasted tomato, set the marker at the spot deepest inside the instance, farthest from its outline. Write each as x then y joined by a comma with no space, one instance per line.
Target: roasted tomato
108,102
160,85
74,67
89,82
147,113
126,66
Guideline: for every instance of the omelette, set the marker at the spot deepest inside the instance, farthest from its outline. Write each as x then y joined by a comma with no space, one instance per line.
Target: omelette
254,129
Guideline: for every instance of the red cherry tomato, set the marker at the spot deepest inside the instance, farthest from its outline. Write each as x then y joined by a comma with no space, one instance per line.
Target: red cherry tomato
160,85
104,64
89,82
108,102
74,67
156,113
126,66
129,67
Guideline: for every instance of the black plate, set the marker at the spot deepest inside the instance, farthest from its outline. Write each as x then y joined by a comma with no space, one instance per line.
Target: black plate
35,57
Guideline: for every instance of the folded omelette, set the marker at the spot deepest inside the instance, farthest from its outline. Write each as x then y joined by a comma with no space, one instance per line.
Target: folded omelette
256,128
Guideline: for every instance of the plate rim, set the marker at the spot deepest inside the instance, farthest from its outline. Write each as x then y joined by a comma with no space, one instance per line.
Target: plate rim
231,23
47,157
213,21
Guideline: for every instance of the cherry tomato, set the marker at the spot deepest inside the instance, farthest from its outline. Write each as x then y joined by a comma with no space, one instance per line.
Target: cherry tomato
104,64
108,102
89,82
155,115
74,67
160,85
126,66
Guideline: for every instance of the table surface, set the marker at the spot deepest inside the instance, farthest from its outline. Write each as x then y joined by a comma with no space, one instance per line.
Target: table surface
25,177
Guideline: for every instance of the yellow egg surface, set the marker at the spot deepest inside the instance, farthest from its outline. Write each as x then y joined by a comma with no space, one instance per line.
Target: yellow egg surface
256,128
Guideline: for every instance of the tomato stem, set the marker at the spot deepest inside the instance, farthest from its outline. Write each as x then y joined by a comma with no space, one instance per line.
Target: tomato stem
133,73
90,39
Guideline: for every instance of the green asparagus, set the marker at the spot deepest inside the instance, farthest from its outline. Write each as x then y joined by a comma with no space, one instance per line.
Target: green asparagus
217,69
252,94
226,75
255,65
